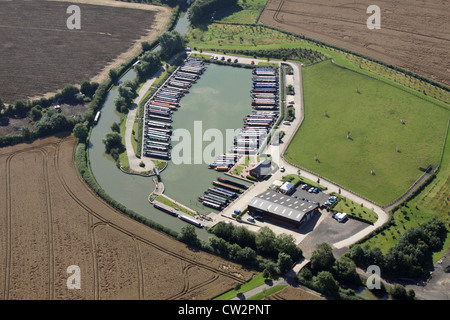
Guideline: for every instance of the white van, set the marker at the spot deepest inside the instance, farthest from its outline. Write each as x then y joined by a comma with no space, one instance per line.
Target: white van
340,217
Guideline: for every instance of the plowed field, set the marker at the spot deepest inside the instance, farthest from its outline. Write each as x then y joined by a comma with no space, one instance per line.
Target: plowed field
49,221
414,34
39,55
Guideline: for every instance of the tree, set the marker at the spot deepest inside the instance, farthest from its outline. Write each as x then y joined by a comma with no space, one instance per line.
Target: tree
220,246
26,134
344,269
20,107
266,274
150,63
127,93
322,258
244,237
52,122
146,46
2,107
272,269
88,88
115,127
326,284
284,262
114,75
36,113
286,243
68,93
398,292
265,241
305,276
188,235
246,255
81,132
170,42
113,140
224,230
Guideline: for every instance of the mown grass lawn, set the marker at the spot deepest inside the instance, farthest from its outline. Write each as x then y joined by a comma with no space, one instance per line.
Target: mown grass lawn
371,111
355,210
433,201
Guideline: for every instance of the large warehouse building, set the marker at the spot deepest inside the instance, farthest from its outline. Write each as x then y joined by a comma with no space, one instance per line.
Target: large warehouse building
282,208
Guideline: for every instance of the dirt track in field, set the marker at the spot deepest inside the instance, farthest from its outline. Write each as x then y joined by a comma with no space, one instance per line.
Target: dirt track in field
39,55
50,221
414,34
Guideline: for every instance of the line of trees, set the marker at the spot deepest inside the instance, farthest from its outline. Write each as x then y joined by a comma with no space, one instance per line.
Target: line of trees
411,257
335,277
274,254
302,54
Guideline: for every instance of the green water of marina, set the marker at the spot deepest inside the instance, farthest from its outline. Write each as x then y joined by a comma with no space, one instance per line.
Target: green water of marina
220,99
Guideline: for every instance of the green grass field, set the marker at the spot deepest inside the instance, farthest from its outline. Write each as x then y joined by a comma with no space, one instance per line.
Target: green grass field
246,11
371,111
355,210
433,201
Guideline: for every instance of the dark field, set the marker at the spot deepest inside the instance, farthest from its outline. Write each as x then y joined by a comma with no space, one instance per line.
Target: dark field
39,55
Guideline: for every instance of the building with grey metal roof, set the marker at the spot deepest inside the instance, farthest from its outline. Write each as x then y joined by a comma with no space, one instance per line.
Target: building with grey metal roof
282,208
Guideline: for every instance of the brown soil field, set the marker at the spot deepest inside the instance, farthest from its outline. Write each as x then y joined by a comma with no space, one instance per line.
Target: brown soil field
39,55
414,34
50,220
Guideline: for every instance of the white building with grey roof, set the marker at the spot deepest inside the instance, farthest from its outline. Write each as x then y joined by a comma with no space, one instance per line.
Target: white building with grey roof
282,208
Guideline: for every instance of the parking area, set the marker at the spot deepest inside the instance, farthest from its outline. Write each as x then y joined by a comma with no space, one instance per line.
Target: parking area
315,197
329,230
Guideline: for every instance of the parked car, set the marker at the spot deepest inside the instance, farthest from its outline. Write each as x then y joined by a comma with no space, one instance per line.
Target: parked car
340,216
229,60
235,60
223,58
287,123
251,219
291,102
316,190
305,186
253,62
311,190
